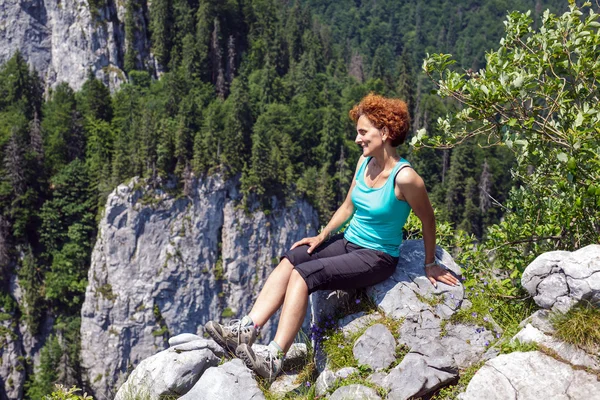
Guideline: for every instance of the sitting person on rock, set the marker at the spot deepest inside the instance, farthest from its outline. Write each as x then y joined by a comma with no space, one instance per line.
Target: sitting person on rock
384,190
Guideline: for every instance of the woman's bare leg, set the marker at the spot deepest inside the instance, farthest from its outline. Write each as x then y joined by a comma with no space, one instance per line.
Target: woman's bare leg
272,294
293,312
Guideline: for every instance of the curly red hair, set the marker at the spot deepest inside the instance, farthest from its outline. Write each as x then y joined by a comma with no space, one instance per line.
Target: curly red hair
384,112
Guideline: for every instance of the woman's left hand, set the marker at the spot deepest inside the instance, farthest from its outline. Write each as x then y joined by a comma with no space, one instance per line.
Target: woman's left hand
435,273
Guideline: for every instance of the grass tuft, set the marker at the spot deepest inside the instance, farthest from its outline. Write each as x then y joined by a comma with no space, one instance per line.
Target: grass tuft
579,326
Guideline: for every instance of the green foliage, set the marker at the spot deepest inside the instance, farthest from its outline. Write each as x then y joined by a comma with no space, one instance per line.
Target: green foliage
516,345
62,393
42,382
68,229
227,313
536,96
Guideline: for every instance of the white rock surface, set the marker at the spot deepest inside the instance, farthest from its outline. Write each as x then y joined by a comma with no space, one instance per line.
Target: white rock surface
531,376
557,280
171,372
230,381
566,351
164,266
61,39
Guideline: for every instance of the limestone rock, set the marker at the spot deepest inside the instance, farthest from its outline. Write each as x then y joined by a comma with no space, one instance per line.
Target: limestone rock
284,384
566,351
231,380
183,338
63,39
557,280
171,372
418,375
355,322
355,392
163,266
375,348
327,379
12,369
530,376
402,293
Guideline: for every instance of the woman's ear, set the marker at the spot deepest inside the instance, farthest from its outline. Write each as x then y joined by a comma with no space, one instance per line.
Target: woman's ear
385,133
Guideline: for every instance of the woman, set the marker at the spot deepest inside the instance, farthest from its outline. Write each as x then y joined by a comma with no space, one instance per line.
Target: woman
384,190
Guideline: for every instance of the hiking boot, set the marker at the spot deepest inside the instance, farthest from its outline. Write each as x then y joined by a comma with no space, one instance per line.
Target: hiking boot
229,337
268,367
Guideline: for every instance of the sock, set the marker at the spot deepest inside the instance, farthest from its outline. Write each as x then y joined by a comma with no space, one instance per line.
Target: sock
276,350
247,321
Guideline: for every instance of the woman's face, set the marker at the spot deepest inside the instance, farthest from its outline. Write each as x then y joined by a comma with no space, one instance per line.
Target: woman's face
368,137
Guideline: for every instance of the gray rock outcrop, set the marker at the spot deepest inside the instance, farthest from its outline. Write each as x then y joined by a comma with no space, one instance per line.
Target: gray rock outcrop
63,39
559,279
231,380
355,392
171,372
530,376
375,348
437,348
163,266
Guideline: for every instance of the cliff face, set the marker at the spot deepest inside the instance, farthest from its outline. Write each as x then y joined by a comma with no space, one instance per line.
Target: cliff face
164,266
63,39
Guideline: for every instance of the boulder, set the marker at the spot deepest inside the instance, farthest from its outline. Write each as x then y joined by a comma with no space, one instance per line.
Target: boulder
327,379
375,348
232,380
530,376
171,372
355,392
565,351
419,374
557,280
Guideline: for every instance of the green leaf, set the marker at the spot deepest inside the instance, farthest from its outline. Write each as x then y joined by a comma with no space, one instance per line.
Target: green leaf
578,120
562,157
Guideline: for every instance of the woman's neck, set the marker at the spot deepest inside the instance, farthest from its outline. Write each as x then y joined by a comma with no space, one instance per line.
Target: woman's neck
387,158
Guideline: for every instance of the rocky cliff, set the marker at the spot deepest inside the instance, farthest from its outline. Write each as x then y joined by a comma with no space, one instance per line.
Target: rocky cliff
165,265
63,39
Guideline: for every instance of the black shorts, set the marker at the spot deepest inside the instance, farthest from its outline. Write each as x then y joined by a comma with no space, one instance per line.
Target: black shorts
338,264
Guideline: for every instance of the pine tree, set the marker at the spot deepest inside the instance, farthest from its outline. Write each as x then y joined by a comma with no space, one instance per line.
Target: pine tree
237,127
94,99
161,21
59,113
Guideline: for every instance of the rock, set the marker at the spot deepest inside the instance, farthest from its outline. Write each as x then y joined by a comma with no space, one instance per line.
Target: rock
375,348
378,378
415,377
327,379
163,266
63,39
402,294
530,376
171,372
183,338
231,380
540,320
355,322
343,373
557,280
355,392
12,364
565,351
284,384
324,382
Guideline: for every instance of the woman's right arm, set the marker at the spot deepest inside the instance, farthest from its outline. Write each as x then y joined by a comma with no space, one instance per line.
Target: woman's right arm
343,213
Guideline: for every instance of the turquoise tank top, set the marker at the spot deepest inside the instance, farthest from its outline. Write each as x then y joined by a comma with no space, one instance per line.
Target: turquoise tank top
378,215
